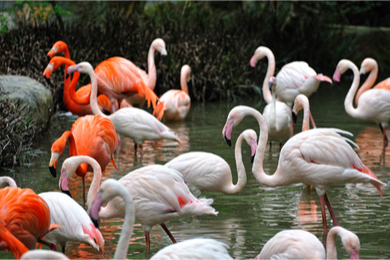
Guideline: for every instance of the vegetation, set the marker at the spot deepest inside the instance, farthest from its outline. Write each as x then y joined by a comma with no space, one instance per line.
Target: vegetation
217,39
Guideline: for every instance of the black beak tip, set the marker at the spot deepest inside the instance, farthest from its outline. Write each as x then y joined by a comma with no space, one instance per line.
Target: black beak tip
48,58
67,192
47,80
95,222
164,57
294,116
228,141
53,171
253,158
67,75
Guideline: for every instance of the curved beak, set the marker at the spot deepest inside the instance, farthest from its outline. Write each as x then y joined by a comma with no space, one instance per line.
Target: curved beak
253,149
227,131
354,254
95,208
294,117
53,163
72,69
64,184
164,57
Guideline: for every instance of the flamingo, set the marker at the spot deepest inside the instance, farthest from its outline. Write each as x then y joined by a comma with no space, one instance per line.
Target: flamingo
76,102
301,244
25,220
159,195
209,172
374,104
319,157
74,220
43,254
132,122
370,65
302,102
94,136
276,113
175,104
7,180
149,78
196,248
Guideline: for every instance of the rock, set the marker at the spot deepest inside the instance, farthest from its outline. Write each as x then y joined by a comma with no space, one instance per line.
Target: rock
30,92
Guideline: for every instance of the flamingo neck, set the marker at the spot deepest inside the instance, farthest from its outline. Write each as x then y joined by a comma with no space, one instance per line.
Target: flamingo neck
267,95
272,120
368,83
306,116
152,75
93,97
183,81
7,180
352,91
257,168
331,252
128,223
97,177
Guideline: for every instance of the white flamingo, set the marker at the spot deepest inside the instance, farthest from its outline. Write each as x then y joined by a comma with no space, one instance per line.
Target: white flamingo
317,157
175,103
210,172
159,195
74,220
196,248
132,122
276,113
374,104
300,244
43,254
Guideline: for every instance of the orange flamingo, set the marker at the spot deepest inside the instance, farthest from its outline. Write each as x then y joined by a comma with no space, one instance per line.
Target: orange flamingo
24,220
94,136
370,65
75,101
175,104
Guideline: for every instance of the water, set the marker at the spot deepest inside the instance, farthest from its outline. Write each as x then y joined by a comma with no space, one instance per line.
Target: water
248,220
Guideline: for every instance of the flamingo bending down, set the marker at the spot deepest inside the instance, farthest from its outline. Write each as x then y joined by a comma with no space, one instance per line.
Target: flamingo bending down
374,104
77,102
132,122
319,157
7,180
94,136
302,102
209,172
159,195
149,78
300,244
74,220
276,113
370,65
196,248
175,104
24,220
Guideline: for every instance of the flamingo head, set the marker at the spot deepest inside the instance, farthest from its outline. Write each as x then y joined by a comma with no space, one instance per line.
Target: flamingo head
234,118
82,67
95,237
297,106
186,70
250,137
159,45
58,47
368,64
69,167
271,82
342,67
351,243
260,53
57,148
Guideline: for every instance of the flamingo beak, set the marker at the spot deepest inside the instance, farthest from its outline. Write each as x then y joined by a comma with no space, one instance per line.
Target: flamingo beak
53,164
227,131
354,254
64,183
95,208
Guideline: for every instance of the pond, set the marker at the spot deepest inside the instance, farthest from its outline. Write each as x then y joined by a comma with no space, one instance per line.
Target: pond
246,221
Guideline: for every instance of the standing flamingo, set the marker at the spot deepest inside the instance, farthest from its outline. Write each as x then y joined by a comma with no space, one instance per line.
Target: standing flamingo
25,218
76,102
94,136
209,172
196,248
374,104
132,122
149,78
370,65
319,157
74,220
159,195
302,102
276,113
175,104
300,244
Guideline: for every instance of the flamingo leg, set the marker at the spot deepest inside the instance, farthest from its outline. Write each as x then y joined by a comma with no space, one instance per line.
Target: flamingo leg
83,181
322,200
385,141
147,238
168,232
330,210
312,121
63,250
135,149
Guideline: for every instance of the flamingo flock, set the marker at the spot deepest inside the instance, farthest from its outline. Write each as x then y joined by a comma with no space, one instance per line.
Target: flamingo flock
156,194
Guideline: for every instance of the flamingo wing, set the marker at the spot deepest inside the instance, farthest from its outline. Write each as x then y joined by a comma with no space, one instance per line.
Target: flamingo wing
384,84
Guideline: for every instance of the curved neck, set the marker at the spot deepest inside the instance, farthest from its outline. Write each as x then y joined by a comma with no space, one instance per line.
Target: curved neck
128,223
241,173
306,116
368,83
97,177
272,119
257,169
267,95
331,252
93,97
152,75
7,180
352,91
183,81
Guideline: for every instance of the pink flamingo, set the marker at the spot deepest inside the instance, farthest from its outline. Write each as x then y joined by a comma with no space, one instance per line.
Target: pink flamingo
374,104
276,113
209,172
300,244
370,65
175,104
132,122
159,193
317,157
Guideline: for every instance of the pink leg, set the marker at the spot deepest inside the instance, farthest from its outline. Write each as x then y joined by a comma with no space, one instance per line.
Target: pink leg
385,142
168,232
330,210
324,218
312,121
83,181
147,238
